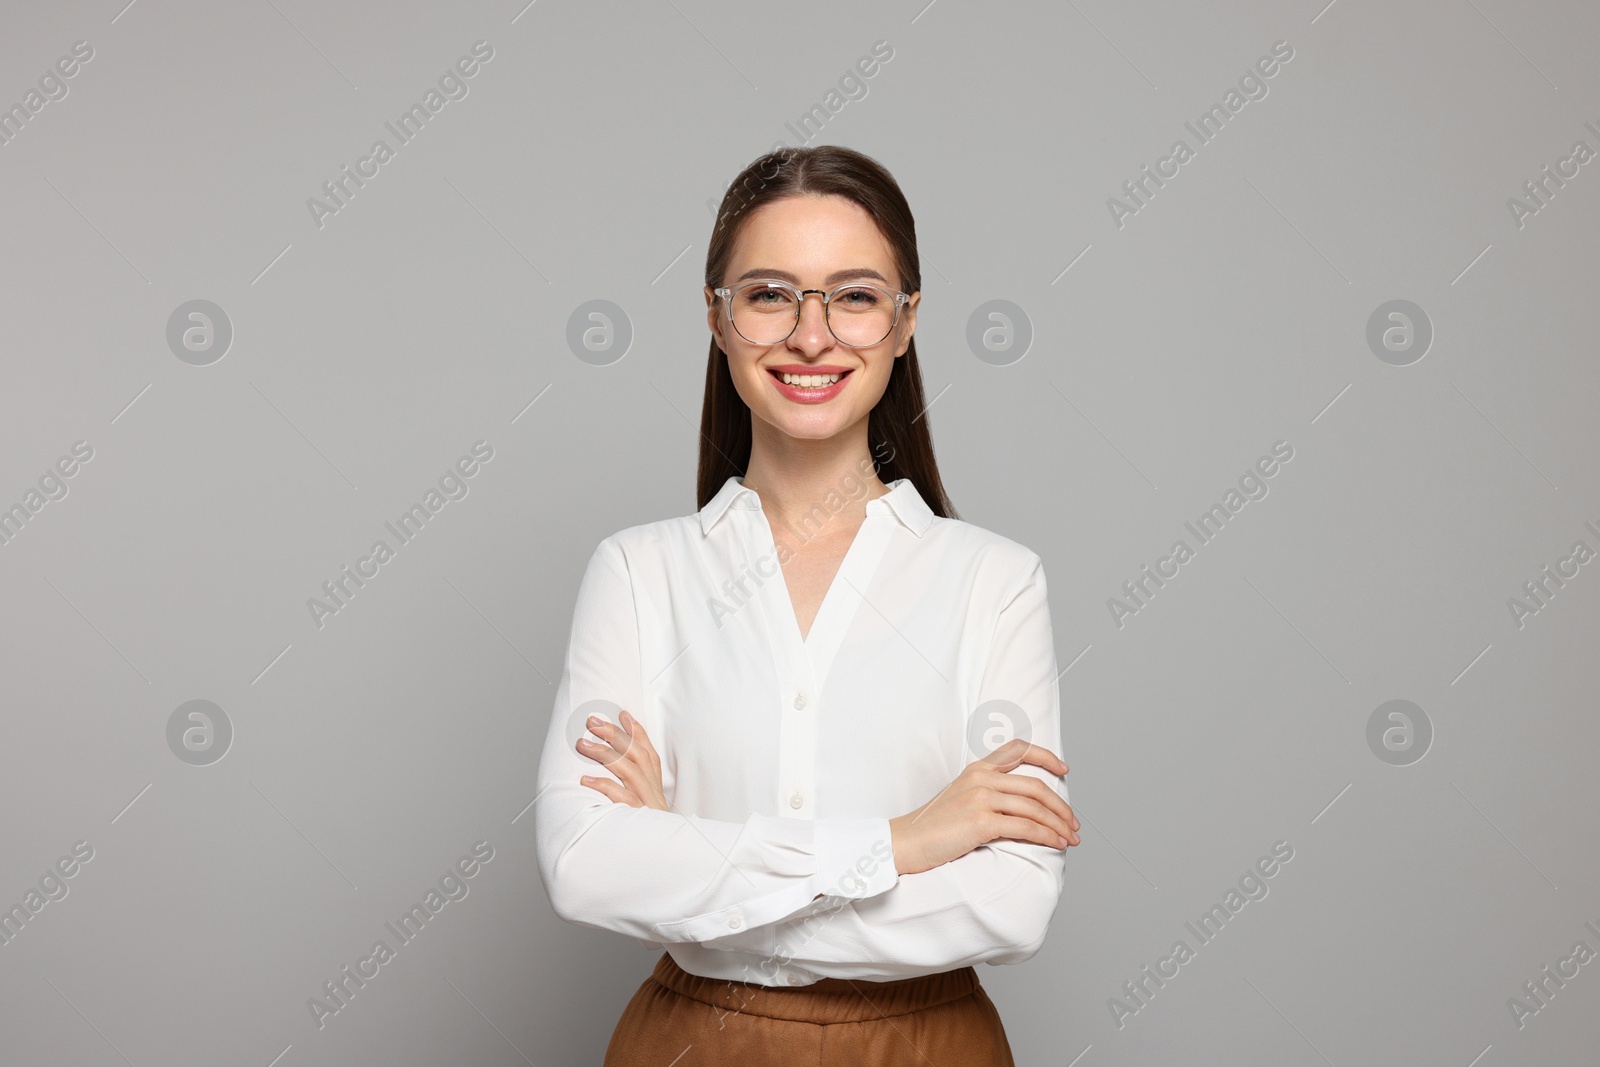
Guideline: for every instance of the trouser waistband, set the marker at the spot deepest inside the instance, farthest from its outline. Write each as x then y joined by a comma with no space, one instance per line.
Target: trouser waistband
828,1000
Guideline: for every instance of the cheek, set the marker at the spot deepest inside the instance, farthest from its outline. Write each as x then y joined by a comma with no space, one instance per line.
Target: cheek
747,379
877,374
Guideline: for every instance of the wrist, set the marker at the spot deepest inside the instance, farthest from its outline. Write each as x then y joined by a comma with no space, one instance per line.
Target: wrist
900,844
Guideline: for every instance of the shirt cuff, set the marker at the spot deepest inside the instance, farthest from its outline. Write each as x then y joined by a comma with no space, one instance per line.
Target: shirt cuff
855,857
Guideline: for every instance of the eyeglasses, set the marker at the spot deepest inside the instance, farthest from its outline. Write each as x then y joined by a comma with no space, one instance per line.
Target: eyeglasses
766,313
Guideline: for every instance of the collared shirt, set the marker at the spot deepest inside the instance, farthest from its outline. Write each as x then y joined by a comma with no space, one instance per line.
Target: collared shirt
783,758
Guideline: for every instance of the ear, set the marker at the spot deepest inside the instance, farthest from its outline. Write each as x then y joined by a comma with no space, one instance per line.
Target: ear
908,323
713,318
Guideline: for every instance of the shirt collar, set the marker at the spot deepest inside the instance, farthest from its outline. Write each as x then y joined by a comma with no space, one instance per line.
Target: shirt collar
902,501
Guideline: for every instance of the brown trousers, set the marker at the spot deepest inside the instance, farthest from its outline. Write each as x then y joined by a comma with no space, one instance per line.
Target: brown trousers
684,1020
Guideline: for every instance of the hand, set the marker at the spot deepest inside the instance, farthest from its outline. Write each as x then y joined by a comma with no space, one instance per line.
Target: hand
628,754
985,804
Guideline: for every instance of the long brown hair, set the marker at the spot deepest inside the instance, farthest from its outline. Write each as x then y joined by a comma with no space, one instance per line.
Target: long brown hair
725,431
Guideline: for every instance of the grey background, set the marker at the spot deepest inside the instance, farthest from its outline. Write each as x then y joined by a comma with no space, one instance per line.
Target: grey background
370,353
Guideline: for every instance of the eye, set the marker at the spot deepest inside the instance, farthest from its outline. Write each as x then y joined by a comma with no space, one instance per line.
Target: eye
857,298
768,296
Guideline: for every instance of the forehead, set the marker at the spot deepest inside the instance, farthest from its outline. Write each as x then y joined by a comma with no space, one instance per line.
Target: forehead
810,237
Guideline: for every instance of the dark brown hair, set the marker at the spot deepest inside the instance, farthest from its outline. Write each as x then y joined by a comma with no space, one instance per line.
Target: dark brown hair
725,431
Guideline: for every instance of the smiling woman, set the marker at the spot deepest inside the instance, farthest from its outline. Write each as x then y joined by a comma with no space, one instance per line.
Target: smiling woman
816,882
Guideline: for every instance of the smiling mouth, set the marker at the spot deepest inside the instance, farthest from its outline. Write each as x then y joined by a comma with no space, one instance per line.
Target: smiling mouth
809,381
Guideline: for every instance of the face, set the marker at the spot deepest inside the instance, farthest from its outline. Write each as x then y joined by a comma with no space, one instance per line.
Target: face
811,242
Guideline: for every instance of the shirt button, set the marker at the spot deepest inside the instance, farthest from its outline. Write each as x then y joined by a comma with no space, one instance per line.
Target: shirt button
795,979
796,801
734,922
799,701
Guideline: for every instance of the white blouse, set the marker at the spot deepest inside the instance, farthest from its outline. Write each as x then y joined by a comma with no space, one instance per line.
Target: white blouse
784,758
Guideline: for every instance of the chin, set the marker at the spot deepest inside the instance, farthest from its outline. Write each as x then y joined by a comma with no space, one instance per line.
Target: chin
817,427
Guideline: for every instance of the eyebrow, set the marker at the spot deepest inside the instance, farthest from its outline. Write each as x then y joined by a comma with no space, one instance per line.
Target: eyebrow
837,276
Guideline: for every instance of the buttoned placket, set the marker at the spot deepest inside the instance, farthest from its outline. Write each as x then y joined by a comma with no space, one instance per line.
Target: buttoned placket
802,664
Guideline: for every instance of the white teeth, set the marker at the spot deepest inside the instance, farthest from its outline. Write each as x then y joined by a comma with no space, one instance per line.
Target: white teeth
809,381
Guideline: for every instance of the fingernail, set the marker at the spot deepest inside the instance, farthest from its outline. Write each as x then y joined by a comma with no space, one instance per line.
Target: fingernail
594,720
1063,841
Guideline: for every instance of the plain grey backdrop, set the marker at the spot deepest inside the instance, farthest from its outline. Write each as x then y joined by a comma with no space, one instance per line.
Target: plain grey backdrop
1422,545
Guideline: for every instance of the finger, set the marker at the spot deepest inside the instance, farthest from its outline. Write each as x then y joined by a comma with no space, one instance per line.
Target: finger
1014,828
628,740
613,790
635,730
611,733
617,792
1041,792
1015,752
1028,785
647,780
620,740
603,754
1029,808
635,777
1005,757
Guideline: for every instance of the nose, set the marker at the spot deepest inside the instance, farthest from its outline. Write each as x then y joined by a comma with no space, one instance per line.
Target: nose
811,333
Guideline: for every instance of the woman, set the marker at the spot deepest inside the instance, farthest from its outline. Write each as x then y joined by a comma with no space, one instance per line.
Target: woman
805,739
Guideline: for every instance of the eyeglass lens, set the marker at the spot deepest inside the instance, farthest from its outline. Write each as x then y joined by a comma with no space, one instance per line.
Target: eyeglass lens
859,315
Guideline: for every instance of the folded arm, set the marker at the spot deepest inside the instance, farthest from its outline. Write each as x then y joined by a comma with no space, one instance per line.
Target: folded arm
661,876
993,904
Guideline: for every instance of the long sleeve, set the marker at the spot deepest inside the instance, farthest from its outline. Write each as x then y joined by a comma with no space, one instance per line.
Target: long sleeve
661,876
993,904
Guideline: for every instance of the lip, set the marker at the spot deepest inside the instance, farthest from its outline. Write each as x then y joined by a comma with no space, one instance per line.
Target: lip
818,395
807,368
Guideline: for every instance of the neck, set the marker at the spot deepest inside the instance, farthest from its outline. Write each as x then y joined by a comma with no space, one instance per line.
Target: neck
801,480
